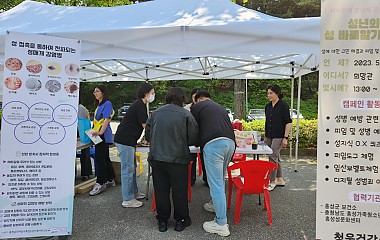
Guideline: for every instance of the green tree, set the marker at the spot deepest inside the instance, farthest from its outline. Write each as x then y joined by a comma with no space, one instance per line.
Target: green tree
286,8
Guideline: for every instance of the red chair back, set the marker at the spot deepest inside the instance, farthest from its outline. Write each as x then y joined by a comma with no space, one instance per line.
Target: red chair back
237,126
256,175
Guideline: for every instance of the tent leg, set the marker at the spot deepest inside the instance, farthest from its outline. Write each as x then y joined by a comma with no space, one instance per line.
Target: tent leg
291,116
246,98
297,125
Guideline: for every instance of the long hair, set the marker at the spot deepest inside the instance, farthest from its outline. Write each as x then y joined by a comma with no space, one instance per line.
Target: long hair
176,96
276,89
106,96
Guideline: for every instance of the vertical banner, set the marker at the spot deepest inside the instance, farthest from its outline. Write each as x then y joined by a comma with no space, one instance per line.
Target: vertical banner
1,85
38,135
348,193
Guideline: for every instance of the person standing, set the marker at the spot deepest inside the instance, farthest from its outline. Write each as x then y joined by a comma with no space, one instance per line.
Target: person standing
217,142
277,127
85,160
127,134
171,129
102,118
193,157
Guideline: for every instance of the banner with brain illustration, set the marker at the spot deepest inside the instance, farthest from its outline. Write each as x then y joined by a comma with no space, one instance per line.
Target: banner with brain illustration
38,138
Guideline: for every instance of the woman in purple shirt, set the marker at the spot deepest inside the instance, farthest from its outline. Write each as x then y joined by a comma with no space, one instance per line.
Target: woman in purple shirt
102,118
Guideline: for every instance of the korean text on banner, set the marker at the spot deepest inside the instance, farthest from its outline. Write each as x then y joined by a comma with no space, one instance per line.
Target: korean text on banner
39,128
348,180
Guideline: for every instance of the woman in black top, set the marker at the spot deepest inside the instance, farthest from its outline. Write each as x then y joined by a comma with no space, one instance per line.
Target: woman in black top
277,127
127,134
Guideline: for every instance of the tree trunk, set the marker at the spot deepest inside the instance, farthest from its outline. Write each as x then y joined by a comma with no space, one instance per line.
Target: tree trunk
239,99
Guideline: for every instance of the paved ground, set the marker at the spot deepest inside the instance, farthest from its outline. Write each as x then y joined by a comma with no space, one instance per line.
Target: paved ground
293,207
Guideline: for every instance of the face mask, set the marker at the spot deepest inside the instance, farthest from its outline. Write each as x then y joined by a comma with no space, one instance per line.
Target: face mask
151,98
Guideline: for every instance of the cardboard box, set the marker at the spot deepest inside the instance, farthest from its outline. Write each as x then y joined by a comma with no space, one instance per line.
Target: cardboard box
116,164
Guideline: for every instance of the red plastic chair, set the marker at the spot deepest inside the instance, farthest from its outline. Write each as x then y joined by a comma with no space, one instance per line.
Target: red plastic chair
199,164
237,125
189,190
237,156
256,176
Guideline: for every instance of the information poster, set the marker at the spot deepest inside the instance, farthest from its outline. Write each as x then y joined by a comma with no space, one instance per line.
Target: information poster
38,135
1,85
348,185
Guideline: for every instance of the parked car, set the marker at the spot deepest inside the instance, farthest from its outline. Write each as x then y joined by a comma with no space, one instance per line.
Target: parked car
295,114
256,114
230,114
122,110
248,118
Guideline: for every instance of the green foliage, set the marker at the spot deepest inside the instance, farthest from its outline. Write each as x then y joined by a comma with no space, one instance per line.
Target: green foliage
286,8
221,90
308,131
8,4
309,95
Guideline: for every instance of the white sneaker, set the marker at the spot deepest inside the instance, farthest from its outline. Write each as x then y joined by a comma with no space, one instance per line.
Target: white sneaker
271,186
214,227
133,203
98,189
209,207
139,195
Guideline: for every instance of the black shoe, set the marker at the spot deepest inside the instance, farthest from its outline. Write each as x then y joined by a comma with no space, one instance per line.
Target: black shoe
85,178
162,226
192,182
206,184
180,225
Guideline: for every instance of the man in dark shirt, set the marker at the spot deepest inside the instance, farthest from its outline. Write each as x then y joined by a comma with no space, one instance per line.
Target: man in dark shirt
217,142
277,127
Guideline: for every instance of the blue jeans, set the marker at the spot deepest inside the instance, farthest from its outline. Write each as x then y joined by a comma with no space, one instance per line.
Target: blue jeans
217,154
128,171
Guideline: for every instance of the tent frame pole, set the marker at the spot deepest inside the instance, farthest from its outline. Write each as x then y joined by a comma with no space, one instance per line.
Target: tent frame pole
246,97
297,124
291,114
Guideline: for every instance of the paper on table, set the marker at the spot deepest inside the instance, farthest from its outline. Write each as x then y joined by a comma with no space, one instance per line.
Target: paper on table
94,139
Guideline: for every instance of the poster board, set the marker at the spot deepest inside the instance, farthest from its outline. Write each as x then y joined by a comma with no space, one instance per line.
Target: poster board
244,139
348,180
39,128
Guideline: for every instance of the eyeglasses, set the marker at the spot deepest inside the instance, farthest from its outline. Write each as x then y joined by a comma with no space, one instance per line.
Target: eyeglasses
96,91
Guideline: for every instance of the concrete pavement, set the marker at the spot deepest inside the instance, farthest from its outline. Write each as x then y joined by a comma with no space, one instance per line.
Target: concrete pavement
293,208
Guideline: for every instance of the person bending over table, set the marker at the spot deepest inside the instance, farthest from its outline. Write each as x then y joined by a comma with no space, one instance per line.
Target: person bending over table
171,129
217,142
127,134
194,155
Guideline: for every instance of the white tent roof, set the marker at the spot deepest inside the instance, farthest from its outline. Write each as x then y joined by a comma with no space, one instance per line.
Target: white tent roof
171,39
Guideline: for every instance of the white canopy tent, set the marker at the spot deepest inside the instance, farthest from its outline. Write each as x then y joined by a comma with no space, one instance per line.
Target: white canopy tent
175,40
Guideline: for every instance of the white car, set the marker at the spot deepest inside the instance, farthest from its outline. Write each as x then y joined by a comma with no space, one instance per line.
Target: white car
256,114
295,114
